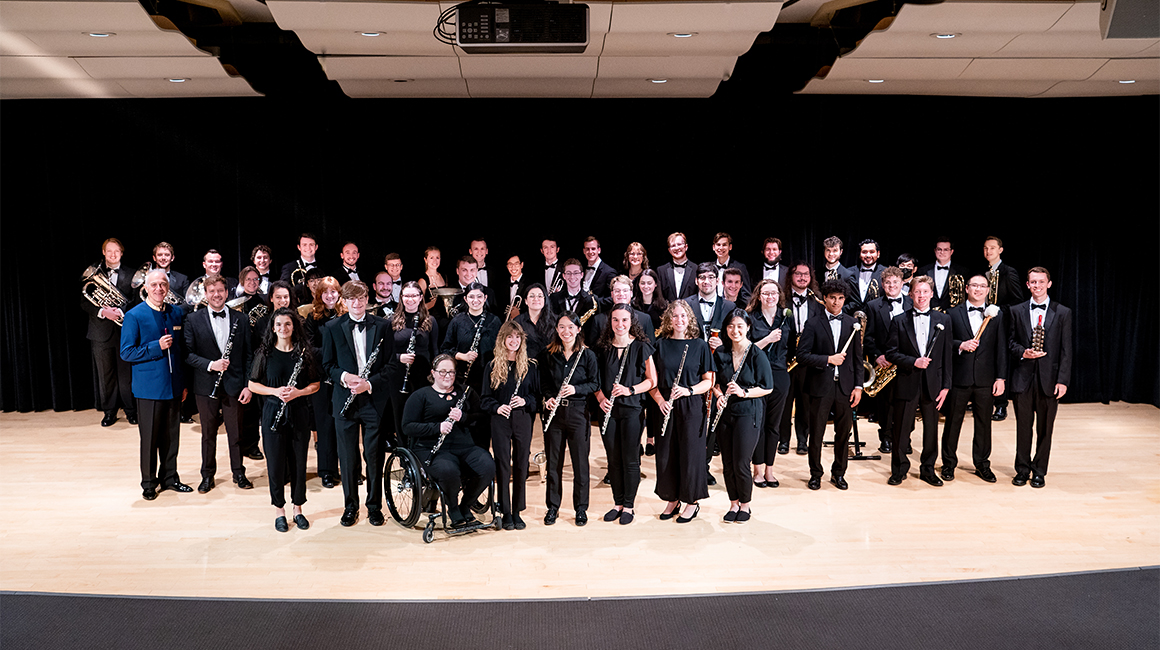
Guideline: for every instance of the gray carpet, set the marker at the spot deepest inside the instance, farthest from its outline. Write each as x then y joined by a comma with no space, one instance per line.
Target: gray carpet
1119,610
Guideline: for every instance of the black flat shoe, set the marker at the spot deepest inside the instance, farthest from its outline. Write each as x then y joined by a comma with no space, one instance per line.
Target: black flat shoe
730,516
280,525
300,522
650,450
508,524
612,515
625,517
685,520
743,516
771,483
758,484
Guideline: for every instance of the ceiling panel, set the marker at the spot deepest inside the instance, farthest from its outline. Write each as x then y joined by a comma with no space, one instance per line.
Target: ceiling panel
1090,88
669,67
223,87
955,87
40,67
391,67
524,87
609,87
1048,69
435,88
162,67
563,66
62,88
860,69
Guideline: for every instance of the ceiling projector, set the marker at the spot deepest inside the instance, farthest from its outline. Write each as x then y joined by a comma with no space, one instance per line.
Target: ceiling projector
540,28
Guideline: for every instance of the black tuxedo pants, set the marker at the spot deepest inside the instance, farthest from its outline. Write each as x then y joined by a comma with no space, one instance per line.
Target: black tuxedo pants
904,411
843,421
799,419
327,447
622,447
159,424
215,412
569,428
981,447
114,378
362,416
680,453
1034,412
511,441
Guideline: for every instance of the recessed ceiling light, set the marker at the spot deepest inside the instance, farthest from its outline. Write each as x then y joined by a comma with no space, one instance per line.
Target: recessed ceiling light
946,35
659,81
369,34
1127,81
875,81
682,34
101,34
402,81
177,80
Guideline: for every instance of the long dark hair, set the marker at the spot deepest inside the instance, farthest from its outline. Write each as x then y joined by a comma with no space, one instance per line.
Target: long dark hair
557,345
547,323
736,313
659,303
634,329
422,317
270,339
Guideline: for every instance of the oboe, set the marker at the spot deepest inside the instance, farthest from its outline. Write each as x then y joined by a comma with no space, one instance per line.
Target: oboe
736,373
293,379
229,346
672,393
611,399
443,436
474,347
567,379
366,372
410,350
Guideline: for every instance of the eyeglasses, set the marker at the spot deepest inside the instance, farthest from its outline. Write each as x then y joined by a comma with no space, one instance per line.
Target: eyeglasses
445,373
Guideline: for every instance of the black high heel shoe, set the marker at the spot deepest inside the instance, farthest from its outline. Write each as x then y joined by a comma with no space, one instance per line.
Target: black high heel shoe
684,520
666,517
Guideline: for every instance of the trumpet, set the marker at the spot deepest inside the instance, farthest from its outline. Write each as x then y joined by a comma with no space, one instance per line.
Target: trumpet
513,310
557,282
98,290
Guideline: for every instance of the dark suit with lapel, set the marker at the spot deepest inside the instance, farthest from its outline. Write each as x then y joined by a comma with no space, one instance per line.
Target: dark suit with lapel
503,291
782,273
1011,289
814,349
178,283
600,279
840,273
667,281
343,275
367,409
1033,380
917,387
941,299
878,316
721,309
114,375
746,283
202,349
974,379
856,301
799,417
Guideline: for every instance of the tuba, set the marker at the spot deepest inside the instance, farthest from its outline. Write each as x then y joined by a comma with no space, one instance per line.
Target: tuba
139,282
98,290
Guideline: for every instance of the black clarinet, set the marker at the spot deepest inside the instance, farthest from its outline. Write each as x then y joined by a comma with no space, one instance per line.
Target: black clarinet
443,436
229,346
293,380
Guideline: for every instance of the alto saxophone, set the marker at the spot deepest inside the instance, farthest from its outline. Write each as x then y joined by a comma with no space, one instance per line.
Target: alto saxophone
590,313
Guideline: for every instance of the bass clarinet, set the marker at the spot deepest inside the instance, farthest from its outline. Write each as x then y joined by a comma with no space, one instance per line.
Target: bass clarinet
229,346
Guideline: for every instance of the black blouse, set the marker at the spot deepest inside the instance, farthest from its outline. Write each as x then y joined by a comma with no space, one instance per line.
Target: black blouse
426,349
610,358
529,388
755,373
460,334
426,409
537,342
667,358
274,371
554,368
775,352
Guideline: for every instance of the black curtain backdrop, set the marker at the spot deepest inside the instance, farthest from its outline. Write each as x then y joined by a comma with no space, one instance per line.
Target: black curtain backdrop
1067,184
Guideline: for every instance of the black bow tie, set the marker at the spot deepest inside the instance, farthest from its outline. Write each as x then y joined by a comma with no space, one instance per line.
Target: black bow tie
514,283
798,300
589,268
1043,306
978,309
721,266
770,267
869,270
922,313
895,300
942,268
834,318
359,325
680,265
707,302
218,314
550,266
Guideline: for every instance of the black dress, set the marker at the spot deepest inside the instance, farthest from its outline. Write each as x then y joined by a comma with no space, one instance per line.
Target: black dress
286,442
680,451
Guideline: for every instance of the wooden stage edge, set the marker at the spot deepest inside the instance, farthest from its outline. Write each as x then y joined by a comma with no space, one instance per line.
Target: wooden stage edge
75,523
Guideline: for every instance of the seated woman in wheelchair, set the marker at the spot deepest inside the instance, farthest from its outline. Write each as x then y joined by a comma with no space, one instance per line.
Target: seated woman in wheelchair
458,465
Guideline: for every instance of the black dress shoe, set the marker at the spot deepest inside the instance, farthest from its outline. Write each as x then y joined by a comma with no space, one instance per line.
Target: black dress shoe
909,449
674,513
550,517
840,482
815,483
186,419
1020,480
895,480
783,448
508,524
349,516
771,483
329,481
802,451
986,474
520,525
375,517
243,482
1000,413
612,515
178,486
581,517
300,522
1037,481
131,419
649,449
149,494
710,480
685,520
254,454
606,480
108,420
280,525
758,483
884,447
931,479
206,485
947,473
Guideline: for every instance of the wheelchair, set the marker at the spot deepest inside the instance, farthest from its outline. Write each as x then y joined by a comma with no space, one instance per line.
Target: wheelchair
411,495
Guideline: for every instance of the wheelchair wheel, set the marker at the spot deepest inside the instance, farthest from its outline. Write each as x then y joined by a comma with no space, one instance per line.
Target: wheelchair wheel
429,532
403,487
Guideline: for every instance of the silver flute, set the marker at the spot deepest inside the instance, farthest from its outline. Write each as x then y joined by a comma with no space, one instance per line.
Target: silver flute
611,399
567,380
736,373
672,392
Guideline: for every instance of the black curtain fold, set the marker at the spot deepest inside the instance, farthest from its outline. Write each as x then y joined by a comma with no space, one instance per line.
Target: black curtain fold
399,176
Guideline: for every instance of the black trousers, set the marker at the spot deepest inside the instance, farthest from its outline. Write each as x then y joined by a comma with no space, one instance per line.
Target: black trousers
765,453
884,410
327,448
159,424
738,438
286,450
362,417
569,428
843,420
1034,410
250,440
467,469
981,448
680,453
622,446
511,441
800,420
114,378
215,412
904,411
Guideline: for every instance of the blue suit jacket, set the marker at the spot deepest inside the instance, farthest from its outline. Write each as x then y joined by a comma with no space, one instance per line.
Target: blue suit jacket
143,328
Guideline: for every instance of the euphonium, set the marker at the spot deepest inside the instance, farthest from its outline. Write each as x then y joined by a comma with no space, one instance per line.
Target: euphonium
956,290
98,290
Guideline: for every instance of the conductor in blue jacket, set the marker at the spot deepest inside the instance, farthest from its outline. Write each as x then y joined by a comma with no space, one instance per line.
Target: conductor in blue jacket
151,342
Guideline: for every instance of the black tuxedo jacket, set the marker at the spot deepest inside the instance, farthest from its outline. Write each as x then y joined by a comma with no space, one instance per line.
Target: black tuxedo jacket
502,290
989,361
942,300
667,281
721,309
1011,290
103,330
817,344
855,300
878,324
814,311
1055,368
201,349
583,303
338,356
377,308
782,273
289,267
902,350
343,276
178,283
600,279
844,273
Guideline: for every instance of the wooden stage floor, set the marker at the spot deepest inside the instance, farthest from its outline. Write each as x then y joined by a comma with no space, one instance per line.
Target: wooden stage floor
74,522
